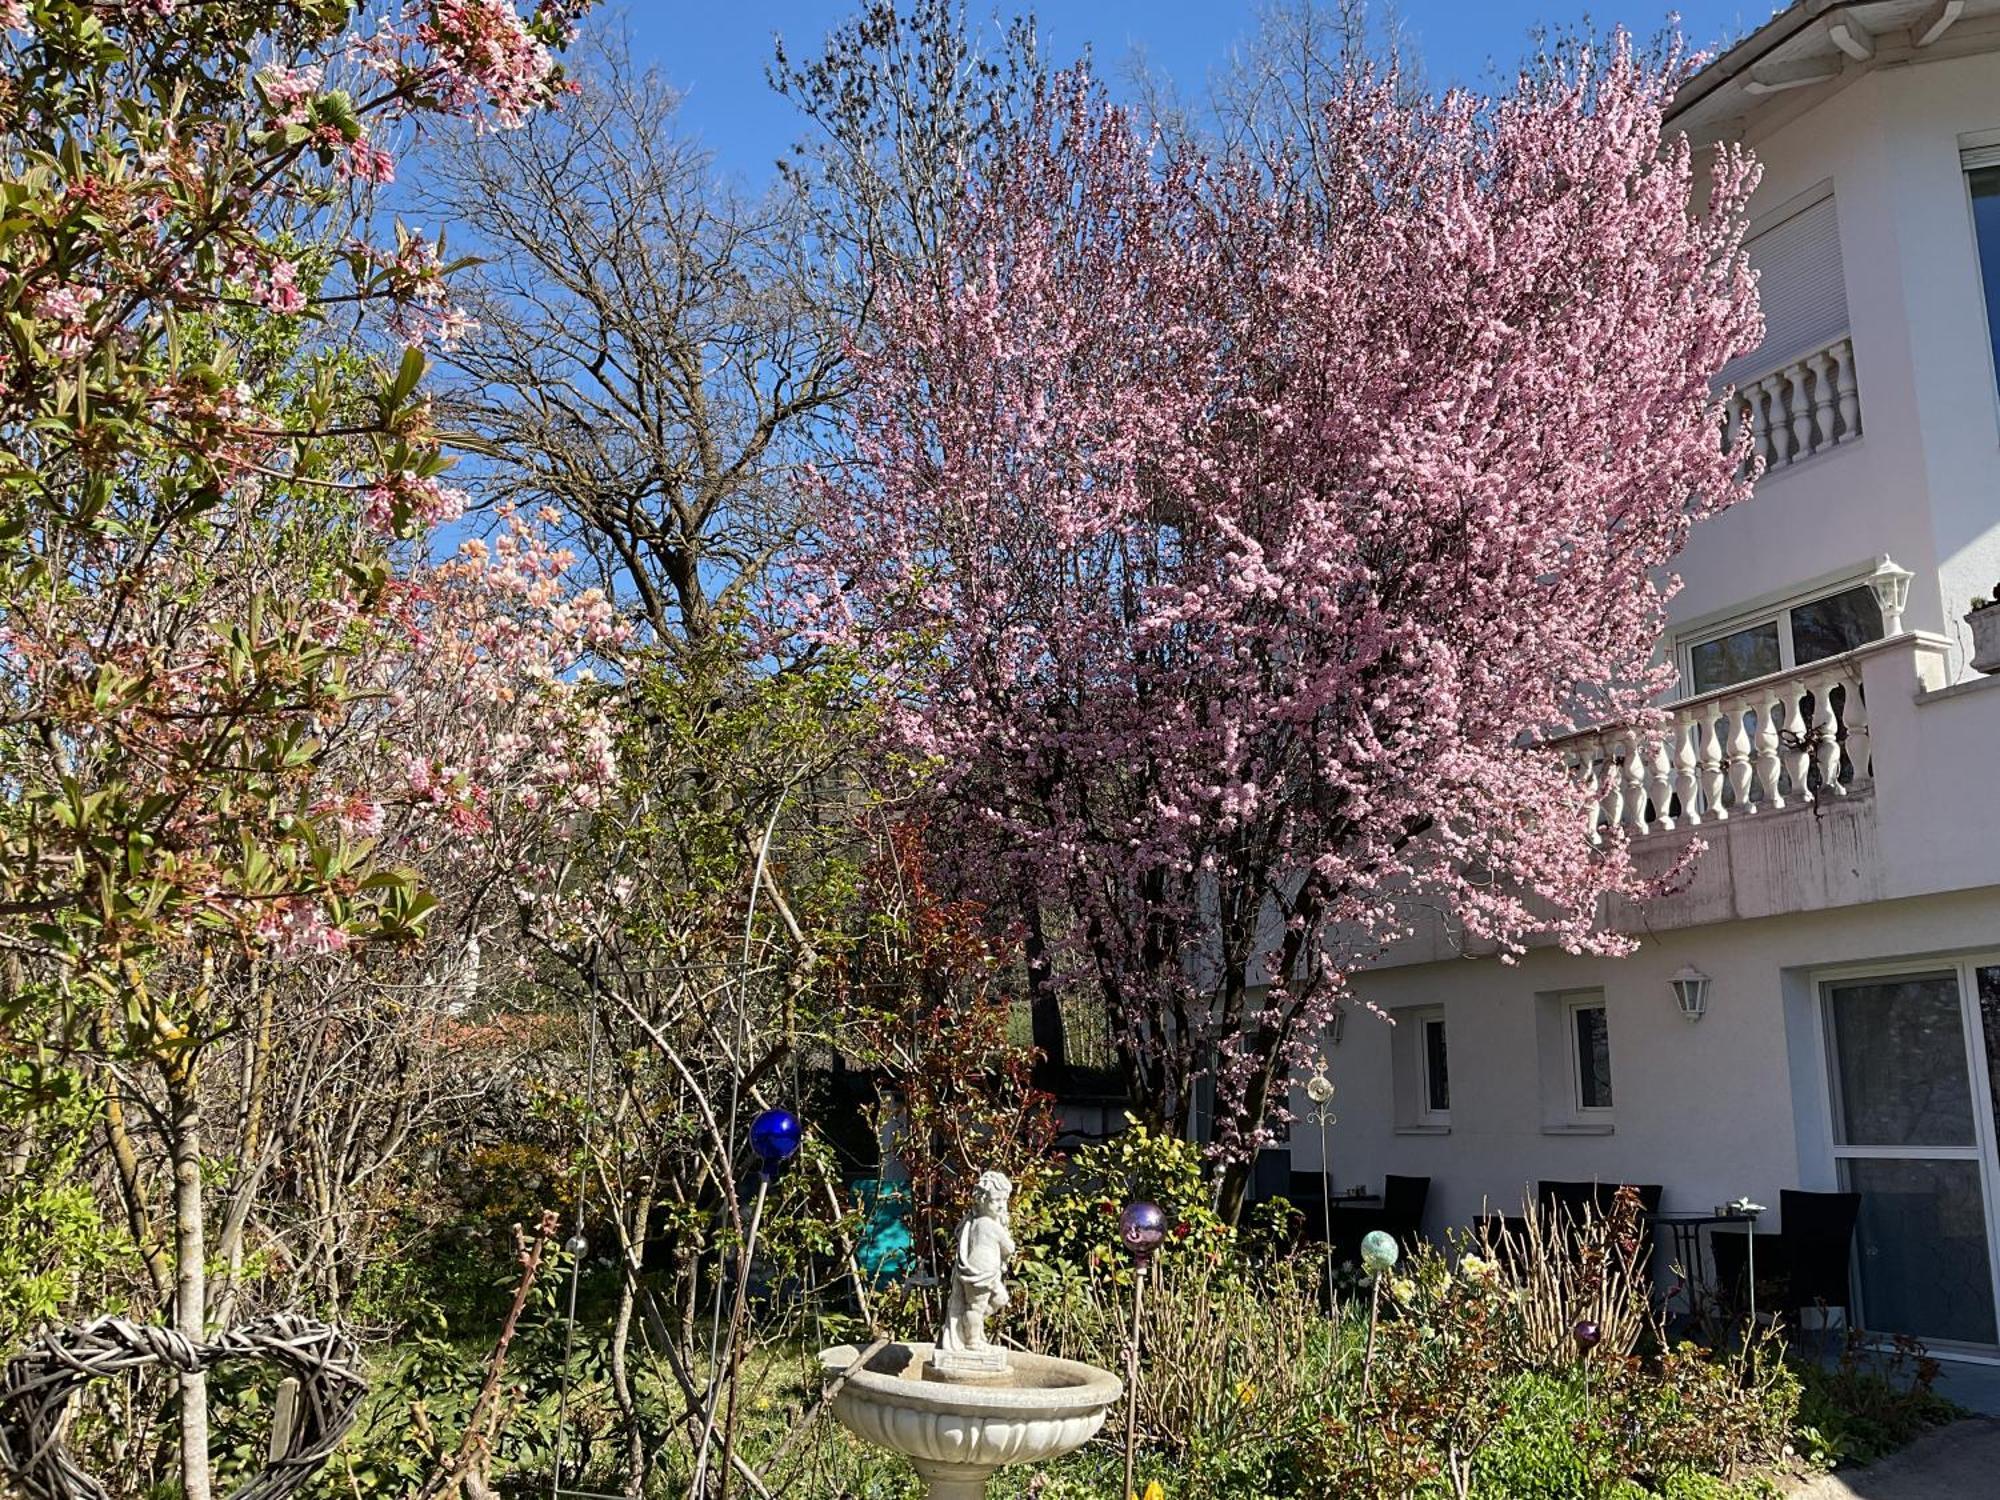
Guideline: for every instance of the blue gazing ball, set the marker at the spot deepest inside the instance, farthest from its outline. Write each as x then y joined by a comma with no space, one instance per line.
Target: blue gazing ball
774,1137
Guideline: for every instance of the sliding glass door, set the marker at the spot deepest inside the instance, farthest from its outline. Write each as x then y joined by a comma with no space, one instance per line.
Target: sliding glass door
1913,1060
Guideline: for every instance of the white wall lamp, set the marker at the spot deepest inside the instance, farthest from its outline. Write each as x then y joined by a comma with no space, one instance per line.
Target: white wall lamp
1891,585
1690,991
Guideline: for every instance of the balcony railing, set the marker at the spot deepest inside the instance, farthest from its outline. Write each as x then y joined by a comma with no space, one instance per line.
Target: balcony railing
1801,408
1754,748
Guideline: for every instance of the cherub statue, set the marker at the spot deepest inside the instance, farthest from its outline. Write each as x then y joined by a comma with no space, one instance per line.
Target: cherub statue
978,1289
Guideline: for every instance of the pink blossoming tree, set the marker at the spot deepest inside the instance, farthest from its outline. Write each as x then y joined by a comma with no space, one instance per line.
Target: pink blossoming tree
1229,538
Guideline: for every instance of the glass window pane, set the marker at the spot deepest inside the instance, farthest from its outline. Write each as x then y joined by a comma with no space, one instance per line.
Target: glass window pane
1986,225
1593,1058
1920,1245
1899,1062
1840,622
1989,1024
1736,658
1437,1073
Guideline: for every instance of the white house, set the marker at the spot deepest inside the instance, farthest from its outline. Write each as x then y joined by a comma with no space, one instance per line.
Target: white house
1846,915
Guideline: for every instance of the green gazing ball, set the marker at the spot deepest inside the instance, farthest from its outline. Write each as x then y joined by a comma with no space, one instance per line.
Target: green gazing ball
1379,1251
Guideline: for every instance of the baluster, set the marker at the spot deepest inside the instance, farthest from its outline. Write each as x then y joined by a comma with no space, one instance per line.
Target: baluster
1826,734
1635,783
1823,404
1714,755
1849,392
1614,785
1777,428
1768,764
1687,786
1585,771
1739,754
1661,784
1746,417
1798,756
1854,718
1795,377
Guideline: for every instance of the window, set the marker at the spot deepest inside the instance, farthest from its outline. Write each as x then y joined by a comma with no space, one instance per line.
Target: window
1984,180
1573,1061
1590,1054
1421,1071
1437,1072
1794,635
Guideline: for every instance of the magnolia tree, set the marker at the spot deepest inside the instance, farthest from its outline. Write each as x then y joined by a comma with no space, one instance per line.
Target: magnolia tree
1230,539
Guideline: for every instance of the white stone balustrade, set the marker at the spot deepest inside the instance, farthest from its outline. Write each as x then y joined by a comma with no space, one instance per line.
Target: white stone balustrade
1758,747
1804,407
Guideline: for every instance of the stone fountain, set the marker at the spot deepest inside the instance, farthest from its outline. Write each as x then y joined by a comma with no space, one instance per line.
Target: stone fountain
960,1406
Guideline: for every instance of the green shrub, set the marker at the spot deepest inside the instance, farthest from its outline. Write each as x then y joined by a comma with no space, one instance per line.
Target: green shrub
1869,1404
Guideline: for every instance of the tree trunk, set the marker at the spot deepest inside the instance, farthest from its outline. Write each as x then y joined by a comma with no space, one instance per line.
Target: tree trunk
190,1281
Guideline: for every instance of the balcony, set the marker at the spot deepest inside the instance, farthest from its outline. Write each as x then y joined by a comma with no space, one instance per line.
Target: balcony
1751,749
1855,779
1804,407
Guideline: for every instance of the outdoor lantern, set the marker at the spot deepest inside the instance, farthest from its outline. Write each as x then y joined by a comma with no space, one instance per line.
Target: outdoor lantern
1379,1251
774,1137
1691,991
1141,1228
1891,586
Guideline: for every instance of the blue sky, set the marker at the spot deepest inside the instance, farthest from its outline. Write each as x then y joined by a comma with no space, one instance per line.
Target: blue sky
716,50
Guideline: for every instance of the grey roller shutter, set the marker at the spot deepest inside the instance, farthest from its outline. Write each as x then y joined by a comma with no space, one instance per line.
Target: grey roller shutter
1801,286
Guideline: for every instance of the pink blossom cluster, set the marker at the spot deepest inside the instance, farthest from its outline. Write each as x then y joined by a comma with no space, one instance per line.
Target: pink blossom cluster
403,499
480,58
290,91
1228,544
66,310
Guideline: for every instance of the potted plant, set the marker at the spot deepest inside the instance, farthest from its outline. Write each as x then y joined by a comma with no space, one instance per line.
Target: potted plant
1985,622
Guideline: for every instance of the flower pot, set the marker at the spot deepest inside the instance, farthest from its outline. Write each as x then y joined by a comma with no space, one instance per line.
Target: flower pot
1985,625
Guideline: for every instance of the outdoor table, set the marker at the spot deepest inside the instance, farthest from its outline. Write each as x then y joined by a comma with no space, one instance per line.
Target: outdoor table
1685,1229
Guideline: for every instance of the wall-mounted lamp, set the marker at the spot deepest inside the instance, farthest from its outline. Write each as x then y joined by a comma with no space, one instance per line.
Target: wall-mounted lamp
1891,585
1690,991
1337,1027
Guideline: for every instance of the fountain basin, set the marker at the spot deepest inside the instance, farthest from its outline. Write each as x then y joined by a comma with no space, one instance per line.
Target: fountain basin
957,1433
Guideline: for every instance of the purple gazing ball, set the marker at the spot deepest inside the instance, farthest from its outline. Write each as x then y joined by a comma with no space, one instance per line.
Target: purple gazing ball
1141,1227
1586,1335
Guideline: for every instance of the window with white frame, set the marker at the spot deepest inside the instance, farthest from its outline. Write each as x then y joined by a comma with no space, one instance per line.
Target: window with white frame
1421,1069
1778,638
1982,178
1573,1047
1589,1030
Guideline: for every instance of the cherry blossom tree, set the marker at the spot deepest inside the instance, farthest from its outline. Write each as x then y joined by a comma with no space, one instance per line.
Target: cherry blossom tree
1228,539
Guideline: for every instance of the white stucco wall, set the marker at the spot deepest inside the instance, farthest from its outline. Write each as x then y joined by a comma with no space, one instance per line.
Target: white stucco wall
1728,1106
1923,483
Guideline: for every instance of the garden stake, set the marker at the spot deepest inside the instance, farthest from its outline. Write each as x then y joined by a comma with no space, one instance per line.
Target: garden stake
1142,1226
1379,1254
774,1137
1319,1089
1368,1355
1586,1335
